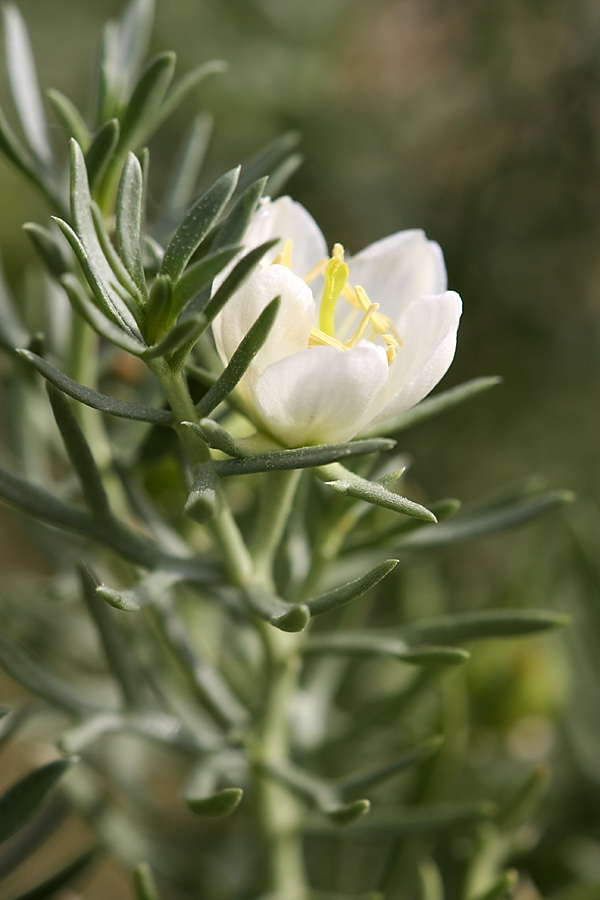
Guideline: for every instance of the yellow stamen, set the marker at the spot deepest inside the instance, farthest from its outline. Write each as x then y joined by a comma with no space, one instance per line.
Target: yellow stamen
285,257
364,323
391,347
316,270
336,274
320,339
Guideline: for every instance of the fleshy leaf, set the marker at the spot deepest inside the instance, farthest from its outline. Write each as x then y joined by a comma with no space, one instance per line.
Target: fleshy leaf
301,458
101,151
129,220
347,592
351,485
219,804
23,799
285,616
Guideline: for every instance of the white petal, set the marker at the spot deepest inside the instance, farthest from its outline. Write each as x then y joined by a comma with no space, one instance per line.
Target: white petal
323,395
428,330
289,334
284,218
398,269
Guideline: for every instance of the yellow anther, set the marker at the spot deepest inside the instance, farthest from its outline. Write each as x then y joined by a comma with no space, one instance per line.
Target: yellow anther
285,257
349,294
315,271
320,339
364,324
338,252
362,299
336,274
391,347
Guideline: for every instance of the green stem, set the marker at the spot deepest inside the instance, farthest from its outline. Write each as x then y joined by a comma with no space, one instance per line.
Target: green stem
182,407
278,491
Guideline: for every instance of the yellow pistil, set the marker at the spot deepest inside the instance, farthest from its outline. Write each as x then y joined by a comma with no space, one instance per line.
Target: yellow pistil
336,275
285,257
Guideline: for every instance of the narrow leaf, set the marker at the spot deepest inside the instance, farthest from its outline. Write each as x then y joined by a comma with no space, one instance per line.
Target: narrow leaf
347,813
133,36
217,437
281,174
268,158
181,187
155,726
144,883
121,408
24,85
50,249
503,889
22,668
197,224
432,887
352,485
361,643
61,879
302,458
12,331
518,808
418,821
342,595
201,274
129,221
40,504
201,504
232,283
285,616
96,318
363,780
185,85
69,118
482,523
26,796
146,100
122,283
216,805
487,623
80,454
101,150
233,228
184,332
433,406
241,359
321,794
20,157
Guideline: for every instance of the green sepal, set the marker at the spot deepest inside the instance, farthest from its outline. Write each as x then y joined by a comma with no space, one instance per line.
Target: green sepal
232,283
103,324
233,228
63,878
200,275
300,458
199,221
129,213
372,643
502,889
50,249
121,408
80,454
240,360
202,501
483,522
285,616
101,150
144,883
24,87
351,485
433,406
347,592
146,100
69,118
183,334
485,623
216,805
25,797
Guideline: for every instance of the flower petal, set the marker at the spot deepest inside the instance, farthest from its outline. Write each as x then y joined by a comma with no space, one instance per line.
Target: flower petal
288,220
428,330
323,395
398,269
289,334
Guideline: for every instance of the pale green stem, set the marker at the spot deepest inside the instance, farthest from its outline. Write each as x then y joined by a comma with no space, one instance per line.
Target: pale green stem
278,491
182,407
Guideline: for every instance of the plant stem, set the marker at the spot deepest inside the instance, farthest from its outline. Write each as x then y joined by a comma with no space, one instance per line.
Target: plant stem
278,491
182,407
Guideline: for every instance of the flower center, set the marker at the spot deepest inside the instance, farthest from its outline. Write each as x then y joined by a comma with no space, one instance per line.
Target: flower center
335,272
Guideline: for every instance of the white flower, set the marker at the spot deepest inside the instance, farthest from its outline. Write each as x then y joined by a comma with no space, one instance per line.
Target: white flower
355,341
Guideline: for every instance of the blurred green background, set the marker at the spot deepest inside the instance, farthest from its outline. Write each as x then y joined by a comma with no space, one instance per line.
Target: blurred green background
480,123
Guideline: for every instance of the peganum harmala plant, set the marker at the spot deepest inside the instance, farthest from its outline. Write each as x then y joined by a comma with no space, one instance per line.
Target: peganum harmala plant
223,624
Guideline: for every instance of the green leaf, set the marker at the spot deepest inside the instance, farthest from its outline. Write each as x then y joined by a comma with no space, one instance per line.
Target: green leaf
155,726
121,408
519,808
199,221
346,813
439,403
363,780
25,797
40,504
285,616
502,889
101,150
482,523
122,282
144,883
268,159
219,804
69,118
486,623
432,887
80,454
217,437
241,359
373,643
351,485
321,794
20,157
49,248
201,274
24,86
282,173
129,221
347,592
146,100
233,228
185,85
301,458
97,320
232,283
184,332
202,502
63,878
181,187
12,331
133,35
418,821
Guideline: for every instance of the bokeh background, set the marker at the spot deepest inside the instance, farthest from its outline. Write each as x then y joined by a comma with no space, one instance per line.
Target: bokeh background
480,123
